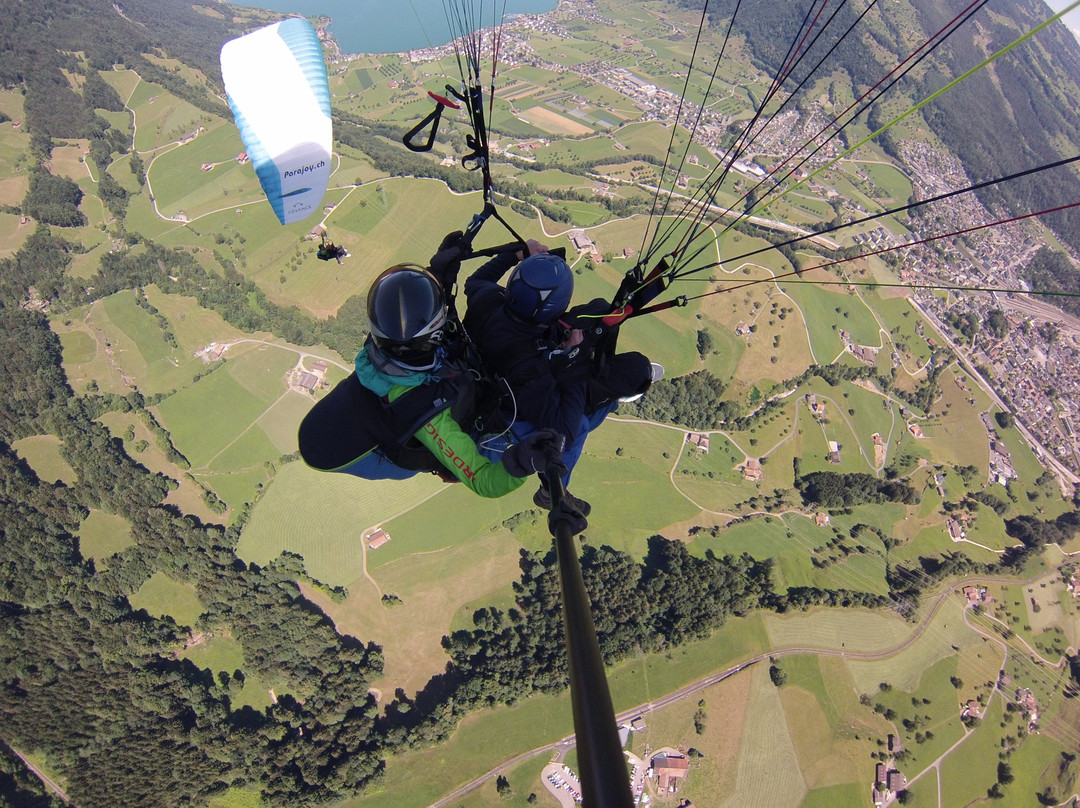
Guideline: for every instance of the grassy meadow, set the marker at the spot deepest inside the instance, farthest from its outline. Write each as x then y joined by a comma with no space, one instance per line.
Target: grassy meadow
43,454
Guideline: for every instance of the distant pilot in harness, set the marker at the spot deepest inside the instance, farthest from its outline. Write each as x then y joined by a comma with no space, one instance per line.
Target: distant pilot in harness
328,250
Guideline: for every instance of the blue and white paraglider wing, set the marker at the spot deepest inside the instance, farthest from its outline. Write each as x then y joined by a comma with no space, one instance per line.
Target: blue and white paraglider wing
276,82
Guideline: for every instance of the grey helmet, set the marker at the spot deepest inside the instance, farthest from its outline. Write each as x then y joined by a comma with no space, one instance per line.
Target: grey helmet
407,314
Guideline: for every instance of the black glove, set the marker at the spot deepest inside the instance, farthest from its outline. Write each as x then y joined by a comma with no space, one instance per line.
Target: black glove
453,239
446,263
534,453
565,512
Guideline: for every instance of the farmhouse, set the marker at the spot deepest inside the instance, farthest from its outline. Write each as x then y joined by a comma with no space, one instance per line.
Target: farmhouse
752,469
698,440
308,381
581,242
864,353
815,406
378,539
669,769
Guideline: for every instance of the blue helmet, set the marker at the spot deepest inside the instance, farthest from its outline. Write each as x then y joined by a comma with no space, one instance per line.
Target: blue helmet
539,289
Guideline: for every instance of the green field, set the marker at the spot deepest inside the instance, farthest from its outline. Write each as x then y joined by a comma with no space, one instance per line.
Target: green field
102,534
162,596
43,454
241,391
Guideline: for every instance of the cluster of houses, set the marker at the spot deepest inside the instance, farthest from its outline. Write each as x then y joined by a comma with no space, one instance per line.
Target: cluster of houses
888,780
1001,467
1039,378
1029,708
1072,580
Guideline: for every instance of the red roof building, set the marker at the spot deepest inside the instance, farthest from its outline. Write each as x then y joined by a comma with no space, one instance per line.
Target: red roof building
669,768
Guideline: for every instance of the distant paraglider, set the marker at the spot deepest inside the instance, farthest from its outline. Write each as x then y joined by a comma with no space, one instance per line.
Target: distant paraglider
328,249
275,78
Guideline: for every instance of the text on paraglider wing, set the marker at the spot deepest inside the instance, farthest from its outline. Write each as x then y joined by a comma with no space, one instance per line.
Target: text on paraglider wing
448,451
296,172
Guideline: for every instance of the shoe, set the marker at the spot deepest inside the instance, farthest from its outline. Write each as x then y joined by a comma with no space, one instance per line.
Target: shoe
656,373
542,499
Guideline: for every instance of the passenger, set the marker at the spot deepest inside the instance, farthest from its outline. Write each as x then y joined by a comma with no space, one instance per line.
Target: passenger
526,335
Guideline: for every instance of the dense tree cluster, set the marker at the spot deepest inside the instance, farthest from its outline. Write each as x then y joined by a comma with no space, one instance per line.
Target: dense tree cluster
694,400
669,598
830,489
19,787
1034,534
54,200
99,689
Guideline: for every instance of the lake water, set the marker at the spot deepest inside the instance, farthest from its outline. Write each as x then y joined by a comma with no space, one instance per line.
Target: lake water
379,26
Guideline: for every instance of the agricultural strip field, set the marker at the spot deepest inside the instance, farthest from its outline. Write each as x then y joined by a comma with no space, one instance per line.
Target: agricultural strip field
767,771
831,731
553,122
905,670
241,390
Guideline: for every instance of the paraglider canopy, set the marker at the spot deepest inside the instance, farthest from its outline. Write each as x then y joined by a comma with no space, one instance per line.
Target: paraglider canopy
276,82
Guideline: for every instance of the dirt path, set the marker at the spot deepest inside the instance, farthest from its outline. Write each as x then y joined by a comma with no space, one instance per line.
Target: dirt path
49,784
